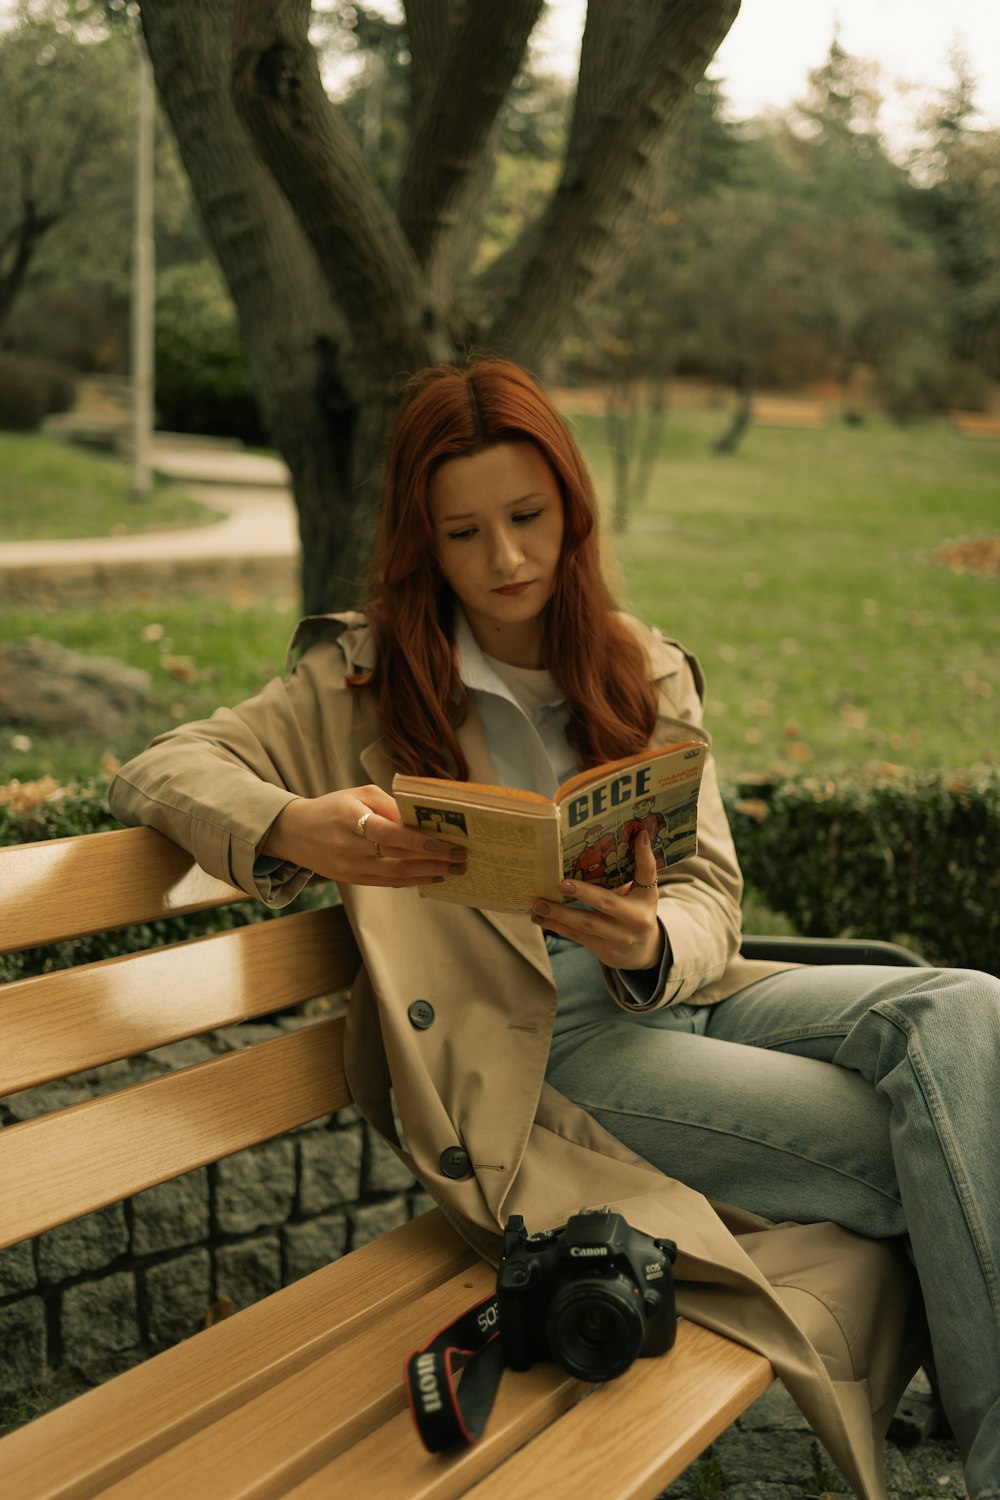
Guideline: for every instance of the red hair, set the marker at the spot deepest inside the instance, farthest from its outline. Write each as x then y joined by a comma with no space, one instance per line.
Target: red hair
457,411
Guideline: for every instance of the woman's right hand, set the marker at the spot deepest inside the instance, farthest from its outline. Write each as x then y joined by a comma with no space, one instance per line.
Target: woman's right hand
322,834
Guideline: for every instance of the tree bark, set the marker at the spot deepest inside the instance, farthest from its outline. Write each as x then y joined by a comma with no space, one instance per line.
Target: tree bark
453,140
292,330
598,207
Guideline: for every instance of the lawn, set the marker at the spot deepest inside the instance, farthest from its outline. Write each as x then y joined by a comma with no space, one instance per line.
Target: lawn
801,569
51,489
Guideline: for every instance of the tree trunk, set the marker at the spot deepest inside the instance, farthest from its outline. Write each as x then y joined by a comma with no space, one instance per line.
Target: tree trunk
338,295
16,255
291,328
742,412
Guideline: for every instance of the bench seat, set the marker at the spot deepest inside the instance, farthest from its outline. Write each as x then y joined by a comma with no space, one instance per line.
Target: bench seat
300,1394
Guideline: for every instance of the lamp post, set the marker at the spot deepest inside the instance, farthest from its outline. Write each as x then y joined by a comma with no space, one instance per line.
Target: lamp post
142,288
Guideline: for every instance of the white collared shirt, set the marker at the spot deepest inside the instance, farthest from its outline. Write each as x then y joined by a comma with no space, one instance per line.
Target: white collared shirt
523,714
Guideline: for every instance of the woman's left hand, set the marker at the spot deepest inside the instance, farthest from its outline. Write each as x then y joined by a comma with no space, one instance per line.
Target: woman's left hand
620,927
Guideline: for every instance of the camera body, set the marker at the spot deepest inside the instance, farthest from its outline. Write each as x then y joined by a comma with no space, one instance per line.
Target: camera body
592,1297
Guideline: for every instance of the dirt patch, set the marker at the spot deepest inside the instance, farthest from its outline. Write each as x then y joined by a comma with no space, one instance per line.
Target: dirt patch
980,555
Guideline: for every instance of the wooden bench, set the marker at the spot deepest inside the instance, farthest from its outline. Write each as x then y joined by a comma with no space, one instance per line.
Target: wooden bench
300,1394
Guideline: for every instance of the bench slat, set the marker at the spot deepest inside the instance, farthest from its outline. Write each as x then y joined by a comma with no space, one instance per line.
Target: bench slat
94,1441
60,1023
662,1412
391,1461
286,1431
60,1166
63,888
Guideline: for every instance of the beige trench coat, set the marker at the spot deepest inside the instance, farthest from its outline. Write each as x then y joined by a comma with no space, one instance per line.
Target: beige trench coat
480,1127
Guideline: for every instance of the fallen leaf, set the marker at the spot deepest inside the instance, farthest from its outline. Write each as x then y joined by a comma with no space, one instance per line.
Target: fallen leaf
182,668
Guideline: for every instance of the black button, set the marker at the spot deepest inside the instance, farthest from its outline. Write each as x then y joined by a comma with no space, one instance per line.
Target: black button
455,1162
421,1014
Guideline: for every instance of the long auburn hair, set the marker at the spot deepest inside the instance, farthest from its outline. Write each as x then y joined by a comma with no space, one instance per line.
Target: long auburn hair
456,411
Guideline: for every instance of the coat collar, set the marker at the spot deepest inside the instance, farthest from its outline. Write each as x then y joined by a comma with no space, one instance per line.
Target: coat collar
355,636
352,630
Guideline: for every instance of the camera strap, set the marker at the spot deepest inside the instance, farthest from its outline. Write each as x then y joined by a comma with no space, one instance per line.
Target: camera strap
447,1414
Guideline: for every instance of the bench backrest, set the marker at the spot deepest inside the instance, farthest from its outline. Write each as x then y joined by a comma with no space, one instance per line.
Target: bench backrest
59,1166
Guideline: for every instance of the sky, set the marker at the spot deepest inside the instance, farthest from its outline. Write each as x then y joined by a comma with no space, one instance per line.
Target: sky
773,45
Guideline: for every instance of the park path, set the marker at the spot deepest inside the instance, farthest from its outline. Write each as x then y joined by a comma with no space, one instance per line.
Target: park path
258,526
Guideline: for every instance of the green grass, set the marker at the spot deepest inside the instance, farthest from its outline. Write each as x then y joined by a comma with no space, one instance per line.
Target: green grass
199,653
50,489
800,569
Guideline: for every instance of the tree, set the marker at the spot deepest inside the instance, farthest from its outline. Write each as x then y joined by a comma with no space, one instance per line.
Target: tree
64,144
339,291
957,202
636,336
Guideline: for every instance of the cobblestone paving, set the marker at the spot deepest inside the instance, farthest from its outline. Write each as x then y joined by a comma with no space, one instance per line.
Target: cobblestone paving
772,1454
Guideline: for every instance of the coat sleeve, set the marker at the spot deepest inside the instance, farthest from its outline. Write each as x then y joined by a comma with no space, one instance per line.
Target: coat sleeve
216,786
700,897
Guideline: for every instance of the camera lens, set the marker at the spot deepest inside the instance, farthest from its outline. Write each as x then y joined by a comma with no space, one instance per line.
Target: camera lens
595,1328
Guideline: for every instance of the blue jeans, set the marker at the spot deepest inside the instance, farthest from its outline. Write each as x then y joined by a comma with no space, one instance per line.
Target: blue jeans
865,1095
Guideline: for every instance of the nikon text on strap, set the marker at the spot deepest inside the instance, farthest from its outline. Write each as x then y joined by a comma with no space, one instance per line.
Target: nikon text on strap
449,1415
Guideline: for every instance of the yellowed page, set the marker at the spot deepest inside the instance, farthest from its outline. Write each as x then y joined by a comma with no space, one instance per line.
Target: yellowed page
513,850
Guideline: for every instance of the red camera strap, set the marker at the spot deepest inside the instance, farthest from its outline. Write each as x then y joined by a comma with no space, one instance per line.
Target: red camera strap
447,1414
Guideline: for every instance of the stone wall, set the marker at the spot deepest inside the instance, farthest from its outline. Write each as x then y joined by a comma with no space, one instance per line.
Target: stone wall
90,1298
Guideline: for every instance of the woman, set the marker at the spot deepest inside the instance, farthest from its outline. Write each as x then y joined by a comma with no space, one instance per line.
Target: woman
615,1049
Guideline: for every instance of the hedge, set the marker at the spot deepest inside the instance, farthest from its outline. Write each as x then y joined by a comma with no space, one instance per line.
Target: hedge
910,857
31,389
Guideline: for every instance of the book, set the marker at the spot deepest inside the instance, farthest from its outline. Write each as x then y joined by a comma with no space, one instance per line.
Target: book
521,845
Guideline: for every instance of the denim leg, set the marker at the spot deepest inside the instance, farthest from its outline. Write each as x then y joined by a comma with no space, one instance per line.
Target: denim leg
928,1040
740,1101
787,1137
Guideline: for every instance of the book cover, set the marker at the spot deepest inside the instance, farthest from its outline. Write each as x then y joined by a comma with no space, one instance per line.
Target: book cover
521,845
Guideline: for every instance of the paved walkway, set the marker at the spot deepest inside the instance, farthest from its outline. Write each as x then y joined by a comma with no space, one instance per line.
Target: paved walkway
251,490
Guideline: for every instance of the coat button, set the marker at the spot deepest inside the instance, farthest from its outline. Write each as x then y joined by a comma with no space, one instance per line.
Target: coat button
455,1162
421,1014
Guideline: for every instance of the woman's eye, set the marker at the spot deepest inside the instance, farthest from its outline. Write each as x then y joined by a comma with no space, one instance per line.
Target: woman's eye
463,535
526,515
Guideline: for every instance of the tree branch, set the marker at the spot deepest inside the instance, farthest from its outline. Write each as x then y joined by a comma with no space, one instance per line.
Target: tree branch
429,25
595,212
453,130
313,155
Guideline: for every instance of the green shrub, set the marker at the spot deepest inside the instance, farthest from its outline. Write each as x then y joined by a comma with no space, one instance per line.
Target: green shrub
910,857
86,811
202,380
31,389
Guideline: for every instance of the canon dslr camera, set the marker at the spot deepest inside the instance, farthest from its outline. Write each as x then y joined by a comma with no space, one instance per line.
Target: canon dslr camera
591,1297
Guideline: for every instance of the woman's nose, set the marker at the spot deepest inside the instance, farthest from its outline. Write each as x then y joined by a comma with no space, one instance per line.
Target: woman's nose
507,554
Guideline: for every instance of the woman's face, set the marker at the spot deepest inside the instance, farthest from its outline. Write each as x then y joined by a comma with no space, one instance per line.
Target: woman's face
498,533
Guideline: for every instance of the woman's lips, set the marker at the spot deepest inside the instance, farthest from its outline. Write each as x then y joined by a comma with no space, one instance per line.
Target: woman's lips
512,588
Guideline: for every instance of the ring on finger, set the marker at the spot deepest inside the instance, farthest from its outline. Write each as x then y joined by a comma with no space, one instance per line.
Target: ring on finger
359,827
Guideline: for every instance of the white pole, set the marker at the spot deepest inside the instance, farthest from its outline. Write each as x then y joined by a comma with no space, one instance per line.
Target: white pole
142,288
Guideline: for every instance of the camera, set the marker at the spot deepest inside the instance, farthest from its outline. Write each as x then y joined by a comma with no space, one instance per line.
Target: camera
592,1297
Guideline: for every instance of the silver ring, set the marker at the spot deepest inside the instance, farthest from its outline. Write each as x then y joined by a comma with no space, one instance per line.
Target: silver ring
360,825
378,850
646,885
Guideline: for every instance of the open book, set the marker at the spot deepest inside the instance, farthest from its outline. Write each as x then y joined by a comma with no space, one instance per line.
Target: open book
521,845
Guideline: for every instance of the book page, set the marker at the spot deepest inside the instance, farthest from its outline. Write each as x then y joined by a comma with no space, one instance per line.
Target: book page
656,794
513,854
